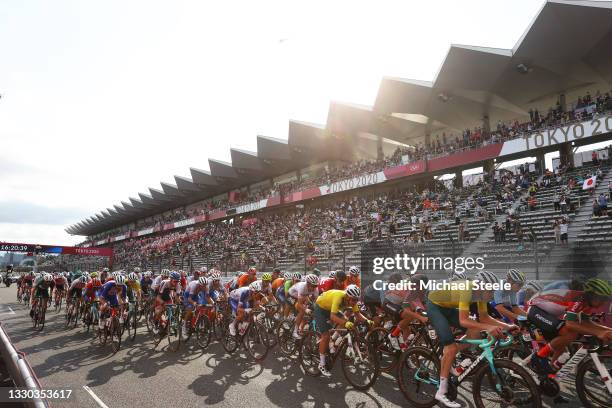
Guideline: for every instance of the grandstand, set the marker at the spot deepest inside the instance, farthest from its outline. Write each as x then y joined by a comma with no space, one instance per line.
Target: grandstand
375,173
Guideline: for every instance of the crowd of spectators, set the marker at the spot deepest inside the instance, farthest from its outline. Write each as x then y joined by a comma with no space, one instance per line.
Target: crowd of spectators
584,108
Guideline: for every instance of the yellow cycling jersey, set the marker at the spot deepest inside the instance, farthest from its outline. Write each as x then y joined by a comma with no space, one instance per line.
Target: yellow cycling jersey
456,299
332,300
134,285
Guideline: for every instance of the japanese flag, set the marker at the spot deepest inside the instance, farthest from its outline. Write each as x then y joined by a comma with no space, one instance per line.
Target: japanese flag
589,183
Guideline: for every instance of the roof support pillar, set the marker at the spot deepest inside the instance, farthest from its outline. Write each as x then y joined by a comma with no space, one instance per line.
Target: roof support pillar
458,179
488,166
566,154
563,102
540,162
486,124
379,148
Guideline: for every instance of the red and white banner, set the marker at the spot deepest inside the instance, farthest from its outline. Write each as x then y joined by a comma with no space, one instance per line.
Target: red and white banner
145,231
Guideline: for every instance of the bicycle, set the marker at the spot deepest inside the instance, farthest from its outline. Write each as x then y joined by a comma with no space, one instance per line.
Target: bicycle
73,311
351,347
90,314
593,374
40,311
130,321
419,380
251,334
59,297
200,323
113,329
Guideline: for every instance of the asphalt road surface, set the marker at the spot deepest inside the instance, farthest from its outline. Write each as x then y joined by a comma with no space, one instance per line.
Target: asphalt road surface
141,374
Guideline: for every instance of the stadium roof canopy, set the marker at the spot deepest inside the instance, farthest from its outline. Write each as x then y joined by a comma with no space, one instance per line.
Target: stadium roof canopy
566,47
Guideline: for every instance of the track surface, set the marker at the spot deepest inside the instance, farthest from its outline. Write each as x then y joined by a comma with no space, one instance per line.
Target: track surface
141,374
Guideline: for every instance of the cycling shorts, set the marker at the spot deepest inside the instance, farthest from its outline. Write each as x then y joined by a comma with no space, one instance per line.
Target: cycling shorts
234,305
322,319
43,293
280,295
442,319
75,293
548,324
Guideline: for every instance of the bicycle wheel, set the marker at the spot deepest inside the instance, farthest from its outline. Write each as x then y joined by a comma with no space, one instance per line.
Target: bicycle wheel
75,315
516,388
286,342
115,334
217,325
418,370
149,320
87,319
69,310
229,342
203,331
41,317
360,365
173,331
270,325
133,319
35,318
590,386
256,341
386,355
309,354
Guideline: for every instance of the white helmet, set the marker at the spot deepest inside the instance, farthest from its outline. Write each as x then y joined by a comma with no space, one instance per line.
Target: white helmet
203,269
137,269
120,280
533,286
48,277
517,276
133,277
312,279
165,273
332,274
255,286
202,280
215,276
486,277
456,276
353,270
353,291
297,276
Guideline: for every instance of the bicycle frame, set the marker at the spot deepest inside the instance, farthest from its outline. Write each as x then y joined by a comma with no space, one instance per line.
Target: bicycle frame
487,345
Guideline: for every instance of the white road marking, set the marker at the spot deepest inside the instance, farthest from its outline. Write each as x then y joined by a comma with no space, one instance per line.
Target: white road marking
8,307
95,397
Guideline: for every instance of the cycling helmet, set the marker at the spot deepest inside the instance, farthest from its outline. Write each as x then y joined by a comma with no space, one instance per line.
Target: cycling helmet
288,275
215,276
48,277
457,276
316,271
105,270
137,269
165,273
332,274
417,279
147,274
203,269
174,275
133,277
266,277
119,280
83,279
297,276
240,274
255,286
353,291
252,270
516,276
353,270
598,287
95,282
202,281
312,279
486,277
276,270
533,286
93,274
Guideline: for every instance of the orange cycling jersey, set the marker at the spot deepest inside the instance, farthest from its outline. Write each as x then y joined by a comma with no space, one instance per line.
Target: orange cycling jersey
353,280
277,283
246,280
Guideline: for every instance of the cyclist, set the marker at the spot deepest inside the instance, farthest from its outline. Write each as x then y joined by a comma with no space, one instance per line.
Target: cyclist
91,289
242,300
404,306
446,308
195,293
280,281
276,273
42,289
61,285
215,288
564,314
168,293
76,289
353,277
282,294
248,278
302,292
336,280
527,293
104,275
145,283
329,307
233,284
112,294
158,280
505,304
28,281
133,287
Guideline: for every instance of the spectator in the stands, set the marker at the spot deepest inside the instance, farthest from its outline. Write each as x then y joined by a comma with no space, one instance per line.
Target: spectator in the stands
532,202
556,200
596,208
557,231
603,204
563,229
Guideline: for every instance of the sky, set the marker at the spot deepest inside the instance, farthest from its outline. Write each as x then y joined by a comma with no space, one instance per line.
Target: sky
102,100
